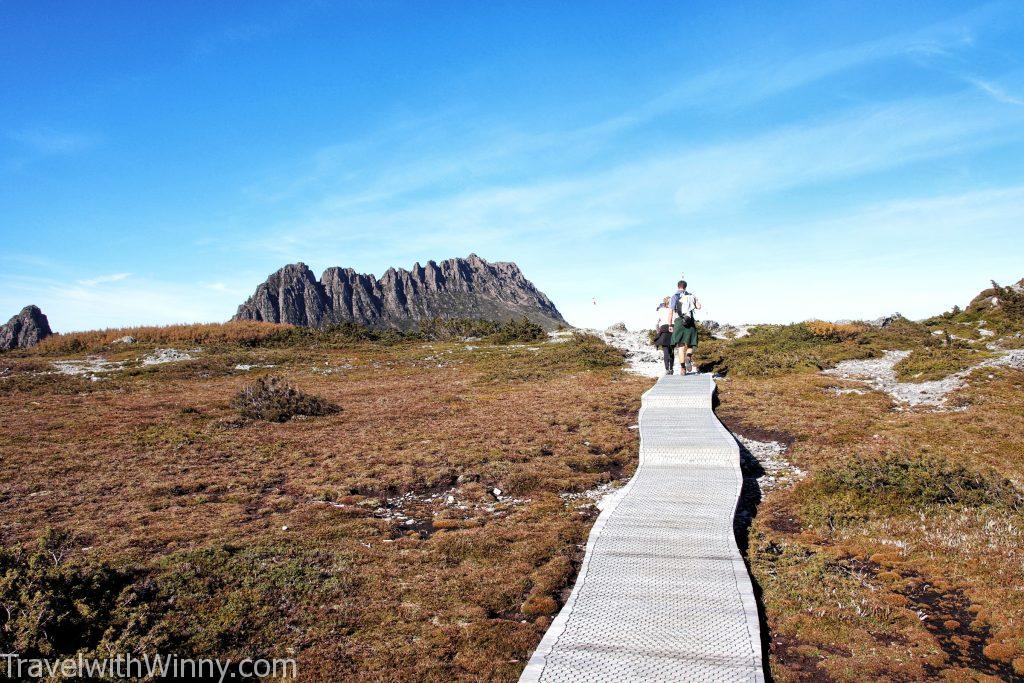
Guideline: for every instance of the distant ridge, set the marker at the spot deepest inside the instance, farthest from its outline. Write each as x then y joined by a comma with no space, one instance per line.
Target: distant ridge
456,288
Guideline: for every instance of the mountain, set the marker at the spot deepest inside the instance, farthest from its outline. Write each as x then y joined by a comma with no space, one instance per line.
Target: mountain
455,288
26,329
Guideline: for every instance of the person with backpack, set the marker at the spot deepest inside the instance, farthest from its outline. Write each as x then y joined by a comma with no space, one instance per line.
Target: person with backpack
684,326
663,334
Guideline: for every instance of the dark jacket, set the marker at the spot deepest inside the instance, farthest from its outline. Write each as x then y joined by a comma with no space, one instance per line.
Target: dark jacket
664,337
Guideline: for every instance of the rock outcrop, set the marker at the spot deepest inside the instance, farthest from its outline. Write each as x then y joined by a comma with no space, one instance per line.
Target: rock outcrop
456,288
26,329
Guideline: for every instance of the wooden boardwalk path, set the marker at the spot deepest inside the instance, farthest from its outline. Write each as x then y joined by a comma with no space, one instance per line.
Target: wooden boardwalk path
663,594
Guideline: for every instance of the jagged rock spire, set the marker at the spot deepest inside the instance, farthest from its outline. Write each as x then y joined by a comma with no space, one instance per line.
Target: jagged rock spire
469,288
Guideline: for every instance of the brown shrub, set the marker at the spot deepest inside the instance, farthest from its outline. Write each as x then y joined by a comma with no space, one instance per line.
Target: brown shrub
271,398
1018,666
835,331
539,606
1000,652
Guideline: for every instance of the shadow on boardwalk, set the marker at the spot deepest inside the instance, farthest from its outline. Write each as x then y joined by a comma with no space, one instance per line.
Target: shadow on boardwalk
746,510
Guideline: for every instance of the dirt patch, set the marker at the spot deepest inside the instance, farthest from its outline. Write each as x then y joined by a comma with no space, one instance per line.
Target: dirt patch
800,664
735,423
947,615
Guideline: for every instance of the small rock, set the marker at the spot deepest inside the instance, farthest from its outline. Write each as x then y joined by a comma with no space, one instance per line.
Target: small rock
617,328
284,528
127,339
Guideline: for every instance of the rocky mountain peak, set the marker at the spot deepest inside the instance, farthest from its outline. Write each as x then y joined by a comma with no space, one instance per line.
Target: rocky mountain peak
468,287
28,328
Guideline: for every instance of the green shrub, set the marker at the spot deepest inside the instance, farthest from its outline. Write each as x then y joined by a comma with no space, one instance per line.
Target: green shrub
272,399
930,363
330,336
444,329
901,483
1011,301
518,331
51,606
772,350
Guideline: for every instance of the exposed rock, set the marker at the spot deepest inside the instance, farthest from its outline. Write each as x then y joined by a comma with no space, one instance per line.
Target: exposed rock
456,288
26,329
884,321
127,339
617,328
161,356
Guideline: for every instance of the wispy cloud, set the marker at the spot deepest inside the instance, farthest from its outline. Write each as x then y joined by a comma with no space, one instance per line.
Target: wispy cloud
82,304
50,141
656,190
412,157
996,92
103,279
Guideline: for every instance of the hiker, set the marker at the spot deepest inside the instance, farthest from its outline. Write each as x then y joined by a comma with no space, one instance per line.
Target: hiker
663,334
684,326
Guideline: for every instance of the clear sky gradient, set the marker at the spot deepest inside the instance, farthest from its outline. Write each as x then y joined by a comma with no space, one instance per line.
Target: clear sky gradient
795,160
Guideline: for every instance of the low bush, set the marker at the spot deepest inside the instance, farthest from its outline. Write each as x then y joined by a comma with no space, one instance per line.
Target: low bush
838,332
445,329
931,363
330,336
518,331
773,350
1011,301
52,607
900,482
272,399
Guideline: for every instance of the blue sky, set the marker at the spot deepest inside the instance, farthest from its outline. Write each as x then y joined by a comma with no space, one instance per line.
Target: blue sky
794,160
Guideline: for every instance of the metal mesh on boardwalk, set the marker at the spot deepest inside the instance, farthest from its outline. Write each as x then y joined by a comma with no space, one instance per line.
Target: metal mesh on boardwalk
663,594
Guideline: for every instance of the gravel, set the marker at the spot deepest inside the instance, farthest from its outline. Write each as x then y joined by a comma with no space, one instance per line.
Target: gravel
160,356
880,375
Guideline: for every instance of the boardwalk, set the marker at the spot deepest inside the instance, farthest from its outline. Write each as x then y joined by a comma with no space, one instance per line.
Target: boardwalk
663,594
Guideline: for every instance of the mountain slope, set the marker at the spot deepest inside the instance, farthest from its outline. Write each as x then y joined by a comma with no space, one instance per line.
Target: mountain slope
455,288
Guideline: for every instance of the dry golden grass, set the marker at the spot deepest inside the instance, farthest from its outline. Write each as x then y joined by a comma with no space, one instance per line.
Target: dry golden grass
155,474
235,332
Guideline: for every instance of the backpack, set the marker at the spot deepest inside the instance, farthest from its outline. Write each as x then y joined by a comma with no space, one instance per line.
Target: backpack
685,318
